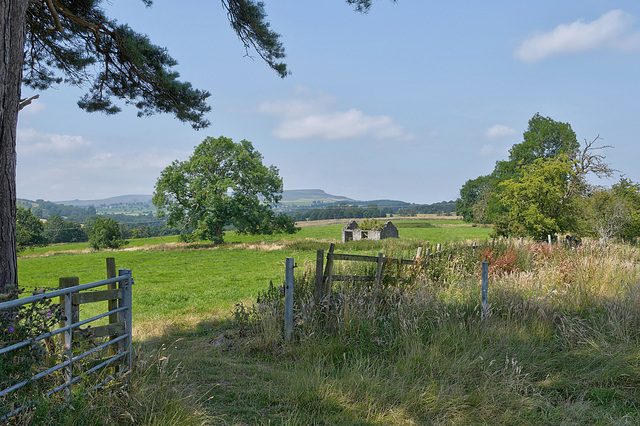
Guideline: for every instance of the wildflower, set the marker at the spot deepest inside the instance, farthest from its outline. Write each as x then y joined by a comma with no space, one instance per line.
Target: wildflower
48,314
11,329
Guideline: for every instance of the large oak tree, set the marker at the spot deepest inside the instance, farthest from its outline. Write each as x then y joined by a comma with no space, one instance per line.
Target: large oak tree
223,183
47,42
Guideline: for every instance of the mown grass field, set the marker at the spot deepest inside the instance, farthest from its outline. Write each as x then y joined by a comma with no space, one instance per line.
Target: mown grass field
560,345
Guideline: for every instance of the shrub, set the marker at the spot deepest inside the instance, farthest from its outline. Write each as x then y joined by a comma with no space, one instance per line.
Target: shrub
105,233
371,224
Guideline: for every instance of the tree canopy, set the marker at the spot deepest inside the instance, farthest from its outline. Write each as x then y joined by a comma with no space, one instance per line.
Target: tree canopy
74,42
223,183
542,187
29,230
544,138
105,233
537,204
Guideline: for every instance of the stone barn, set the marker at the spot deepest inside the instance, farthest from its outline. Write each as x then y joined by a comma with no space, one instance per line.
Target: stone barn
351,232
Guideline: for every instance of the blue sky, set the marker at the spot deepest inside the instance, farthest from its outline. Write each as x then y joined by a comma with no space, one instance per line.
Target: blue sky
407,102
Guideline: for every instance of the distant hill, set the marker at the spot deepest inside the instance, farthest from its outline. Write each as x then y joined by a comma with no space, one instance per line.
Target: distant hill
27,204
290,198
121,199
288,195
301,203
310,195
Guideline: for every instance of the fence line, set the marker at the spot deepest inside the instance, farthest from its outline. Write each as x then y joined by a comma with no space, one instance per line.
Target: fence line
324,281
72,295
325,276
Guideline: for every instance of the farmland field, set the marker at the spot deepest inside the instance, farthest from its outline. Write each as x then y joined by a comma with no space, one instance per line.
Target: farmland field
179,284
559,345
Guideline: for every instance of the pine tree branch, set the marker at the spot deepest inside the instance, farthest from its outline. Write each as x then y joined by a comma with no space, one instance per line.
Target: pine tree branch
24,102
54,13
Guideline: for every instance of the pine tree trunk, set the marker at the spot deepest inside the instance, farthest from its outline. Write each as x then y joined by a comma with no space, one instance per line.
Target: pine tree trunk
12,39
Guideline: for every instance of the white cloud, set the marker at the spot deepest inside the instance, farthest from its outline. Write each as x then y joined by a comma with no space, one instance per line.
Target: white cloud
62,167
307,117
499,131
300,106
340,125
33,142
613,30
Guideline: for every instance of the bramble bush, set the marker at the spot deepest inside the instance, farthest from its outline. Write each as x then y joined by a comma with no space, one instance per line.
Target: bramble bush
26,323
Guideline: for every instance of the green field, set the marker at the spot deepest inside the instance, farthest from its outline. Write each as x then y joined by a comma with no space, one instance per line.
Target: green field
560,343
182,284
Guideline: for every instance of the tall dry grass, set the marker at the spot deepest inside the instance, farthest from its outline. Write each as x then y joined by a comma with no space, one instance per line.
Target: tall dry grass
560,343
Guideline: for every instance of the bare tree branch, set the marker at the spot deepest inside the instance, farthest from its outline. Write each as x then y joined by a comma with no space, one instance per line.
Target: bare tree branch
590,162
25,102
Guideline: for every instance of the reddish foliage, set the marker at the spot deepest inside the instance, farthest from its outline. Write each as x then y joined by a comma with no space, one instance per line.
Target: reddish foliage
501,264
539,249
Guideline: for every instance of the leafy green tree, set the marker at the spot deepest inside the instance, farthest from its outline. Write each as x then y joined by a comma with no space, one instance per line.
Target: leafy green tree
539,203
544,138
481,199
105,233
58,230
607,213
29,230
471,195
629,193
223,183
141,231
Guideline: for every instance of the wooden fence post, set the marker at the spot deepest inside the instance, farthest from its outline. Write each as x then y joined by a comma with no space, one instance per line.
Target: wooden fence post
485,290
328,270
72,316
379,271
317,296
288,300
